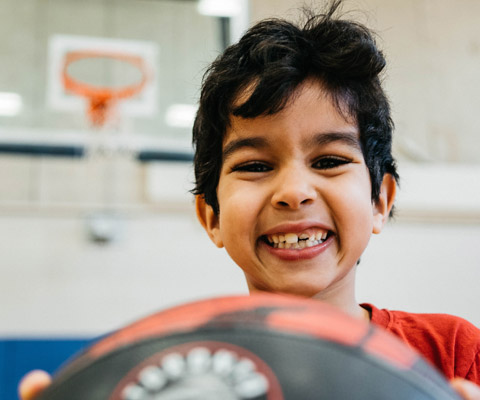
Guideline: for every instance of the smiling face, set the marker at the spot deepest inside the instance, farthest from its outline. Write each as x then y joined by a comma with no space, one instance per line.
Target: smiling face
295,199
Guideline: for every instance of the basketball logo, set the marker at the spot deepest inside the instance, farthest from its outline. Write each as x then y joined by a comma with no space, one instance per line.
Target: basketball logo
200,370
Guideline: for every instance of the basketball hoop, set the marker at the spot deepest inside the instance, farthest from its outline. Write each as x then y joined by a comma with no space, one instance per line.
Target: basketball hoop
102,98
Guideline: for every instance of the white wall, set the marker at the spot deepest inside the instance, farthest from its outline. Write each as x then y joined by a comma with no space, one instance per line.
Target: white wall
428,257
423,268
54,281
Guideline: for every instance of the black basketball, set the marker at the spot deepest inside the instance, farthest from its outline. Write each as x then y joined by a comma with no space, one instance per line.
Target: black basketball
265,347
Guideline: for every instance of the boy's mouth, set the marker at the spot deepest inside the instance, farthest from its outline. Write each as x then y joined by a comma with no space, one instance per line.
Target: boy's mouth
297,241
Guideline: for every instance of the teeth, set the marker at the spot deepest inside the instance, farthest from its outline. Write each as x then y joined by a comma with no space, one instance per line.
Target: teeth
294,241
291,238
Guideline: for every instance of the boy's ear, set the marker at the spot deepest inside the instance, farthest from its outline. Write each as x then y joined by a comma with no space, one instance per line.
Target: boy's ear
384,204
208,219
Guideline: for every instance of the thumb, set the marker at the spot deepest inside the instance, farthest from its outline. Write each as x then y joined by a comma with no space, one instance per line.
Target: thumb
468,390
32,384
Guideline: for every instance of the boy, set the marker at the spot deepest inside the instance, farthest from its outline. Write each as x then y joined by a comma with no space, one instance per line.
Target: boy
294,172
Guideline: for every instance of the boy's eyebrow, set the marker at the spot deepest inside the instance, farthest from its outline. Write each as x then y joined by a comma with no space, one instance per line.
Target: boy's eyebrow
320,139
349,138
234,145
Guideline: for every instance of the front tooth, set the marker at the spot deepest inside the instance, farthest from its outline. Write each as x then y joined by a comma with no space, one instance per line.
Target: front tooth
291,238
281,245
287,245
302,244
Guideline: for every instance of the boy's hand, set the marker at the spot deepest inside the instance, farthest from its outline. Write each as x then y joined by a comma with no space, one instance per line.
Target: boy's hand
33,384
468,390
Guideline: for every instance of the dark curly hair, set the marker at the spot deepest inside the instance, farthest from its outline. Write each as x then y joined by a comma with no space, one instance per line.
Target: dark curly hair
275,56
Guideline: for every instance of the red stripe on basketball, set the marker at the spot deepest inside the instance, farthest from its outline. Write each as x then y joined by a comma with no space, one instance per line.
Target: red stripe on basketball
188,317
332,325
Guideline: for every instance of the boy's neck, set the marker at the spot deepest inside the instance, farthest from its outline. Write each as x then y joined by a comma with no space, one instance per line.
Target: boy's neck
342,296
350,307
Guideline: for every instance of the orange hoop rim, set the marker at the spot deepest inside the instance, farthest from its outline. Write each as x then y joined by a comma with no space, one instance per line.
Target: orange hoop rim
103,92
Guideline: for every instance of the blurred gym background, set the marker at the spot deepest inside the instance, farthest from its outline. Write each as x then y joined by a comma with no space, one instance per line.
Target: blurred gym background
97,226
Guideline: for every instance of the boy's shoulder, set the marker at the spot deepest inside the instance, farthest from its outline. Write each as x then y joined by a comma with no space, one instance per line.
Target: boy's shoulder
442,323
450,342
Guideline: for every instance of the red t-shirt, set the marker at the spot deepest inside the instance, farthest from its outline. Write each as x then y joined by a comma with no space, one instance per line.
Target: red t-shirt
450,343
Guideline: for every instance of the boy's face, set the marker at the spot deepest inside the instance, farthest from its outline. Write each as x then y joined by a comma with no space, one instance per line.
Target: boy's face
295,199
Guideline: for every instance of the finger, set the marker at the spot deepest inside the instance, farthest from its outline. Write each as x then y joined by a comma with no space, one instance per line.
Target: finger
468,390
32,384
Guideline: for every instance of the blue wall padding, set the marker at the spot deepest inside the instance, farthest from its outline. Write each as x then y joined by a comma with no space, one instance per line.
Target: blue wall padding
18,356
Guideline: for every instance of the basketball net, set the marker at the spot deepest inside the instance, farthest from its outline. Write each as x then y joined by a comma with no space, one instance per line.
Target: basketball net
102,100
104,151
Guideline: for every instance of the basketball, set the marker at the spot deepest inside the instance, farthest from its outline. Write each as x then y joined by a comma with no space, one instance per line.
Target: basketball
260,347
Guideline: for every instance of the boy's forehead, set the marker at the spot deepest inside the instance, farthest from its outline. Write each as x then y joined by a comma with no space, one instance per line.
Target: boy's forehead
315,88
338,120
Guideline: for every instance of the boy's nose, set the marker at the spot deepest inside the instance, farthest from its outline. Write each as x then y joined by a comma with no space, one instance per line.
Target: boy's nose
293,189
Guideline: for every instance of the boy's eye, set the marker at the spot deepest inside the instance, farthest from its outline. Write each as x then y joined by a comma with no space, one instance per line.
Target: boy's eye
329,162
252,167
